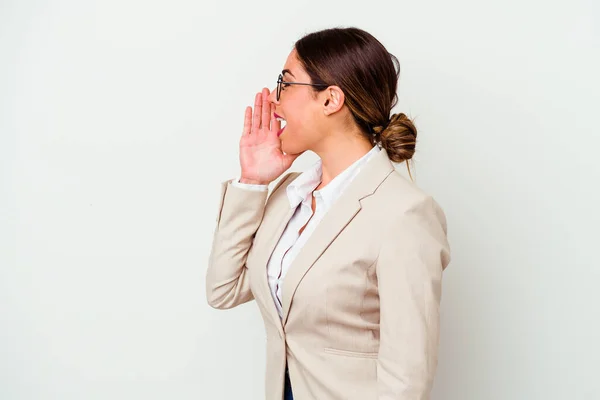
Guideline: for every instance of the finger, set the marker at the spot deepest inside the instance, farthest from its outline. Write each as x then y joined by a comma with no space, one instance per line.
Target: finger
257,110
266,109
247,121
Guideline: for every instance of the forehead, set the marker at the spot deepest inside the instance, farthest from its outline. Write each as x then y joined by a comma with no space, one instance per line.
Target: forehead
293,65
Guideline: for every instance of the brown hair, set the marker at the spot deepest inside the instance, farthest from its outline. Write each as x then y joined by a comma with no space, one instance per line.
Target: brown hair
367,73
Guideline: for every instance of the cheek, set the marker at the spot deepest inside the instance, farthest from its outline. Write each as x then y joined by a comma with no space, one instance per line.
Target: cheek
301,124
300,120
297,125
296,136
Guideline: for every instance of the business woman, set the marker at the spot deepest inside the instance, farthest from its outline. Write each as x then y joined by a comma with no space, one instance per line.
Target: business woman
344,260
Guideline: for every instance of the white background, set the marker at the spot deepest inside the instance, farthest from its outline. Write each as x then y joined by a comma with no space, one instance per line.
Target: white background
119,119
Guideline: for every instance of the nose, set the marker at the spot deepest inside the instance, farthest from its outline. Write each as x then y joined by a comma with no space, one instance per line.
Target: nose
273,96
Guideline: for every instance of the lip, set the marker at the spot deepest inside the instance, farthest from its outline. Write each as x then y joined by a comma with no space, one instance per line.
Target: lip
277,115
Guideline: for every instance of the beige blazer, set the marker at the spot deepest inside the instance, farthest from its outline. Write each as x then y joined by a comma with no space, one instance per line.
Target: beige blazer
361,301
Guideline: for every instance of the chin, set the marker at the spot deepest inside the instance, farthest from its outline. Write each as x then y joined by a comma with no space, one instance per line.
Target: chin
290,148
287,145
291,145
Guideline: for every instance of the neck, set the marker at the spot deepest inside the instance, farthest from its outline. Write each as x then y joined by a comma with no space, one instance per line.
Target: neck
338,152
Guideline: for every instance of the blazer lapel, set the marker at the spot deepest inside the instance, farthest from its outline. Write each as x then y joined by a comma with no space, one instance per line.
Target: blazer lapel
335,220
274,223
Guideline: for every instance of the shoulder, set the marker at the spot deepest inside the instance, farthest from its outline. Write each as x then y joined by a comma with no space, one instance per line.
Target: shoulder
415,223
402,198
401,193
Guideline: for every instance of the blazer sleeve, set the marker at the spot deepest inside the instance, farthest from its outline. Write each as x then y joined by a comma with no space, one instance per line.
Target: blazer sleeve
239,216
409,274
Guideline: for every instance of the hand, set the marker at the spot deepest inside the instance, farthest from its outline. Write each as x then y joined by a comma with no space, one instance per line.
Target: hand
261,157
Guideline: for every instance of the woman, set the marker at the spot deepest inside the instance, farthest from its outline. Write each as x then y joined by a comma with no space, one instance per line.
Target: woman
344,260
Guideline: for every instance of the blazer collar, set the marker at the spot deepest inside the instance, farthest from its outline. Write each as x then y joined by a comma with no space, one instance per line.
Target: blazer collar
302,187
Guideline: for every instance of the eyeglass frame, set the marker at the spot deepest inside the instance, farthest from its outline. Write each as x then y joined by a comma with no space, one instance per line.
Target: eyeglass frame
280,83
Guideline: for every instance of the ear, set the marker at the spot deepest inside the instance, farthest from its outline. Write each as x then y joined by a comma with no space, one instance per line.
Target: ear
333,100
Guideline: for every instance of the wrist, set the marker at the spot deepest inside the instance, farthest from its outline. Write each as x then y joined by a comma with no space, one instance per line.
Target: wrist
252,181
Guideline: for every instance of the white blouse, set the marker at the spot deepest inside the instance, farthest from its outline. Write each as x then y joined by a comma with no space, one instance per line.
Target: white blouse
300,198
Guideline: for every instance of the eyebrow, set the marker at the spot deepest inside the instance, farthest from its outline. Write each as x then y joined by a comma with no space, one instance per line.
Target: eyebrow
287,71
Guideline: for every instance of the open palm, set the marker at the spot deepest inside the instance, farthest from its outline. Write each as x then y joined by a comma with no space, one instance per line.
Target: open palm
261,157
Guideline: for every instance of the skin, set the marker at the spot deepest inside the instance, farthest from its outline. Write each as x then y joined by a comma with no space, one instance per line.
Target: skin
319,122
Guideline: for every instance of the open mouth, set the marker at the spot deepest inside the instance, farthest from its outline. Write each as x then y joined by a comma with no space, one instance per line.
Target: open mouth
283,124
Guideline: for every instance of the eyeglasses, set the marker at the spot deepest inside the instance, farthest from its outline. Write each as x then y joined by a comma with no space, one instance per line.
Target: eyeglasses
281,82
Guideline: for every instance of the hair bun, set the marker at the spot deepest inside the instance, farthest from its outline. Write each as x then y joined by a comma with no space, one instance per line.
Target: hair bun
398,137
